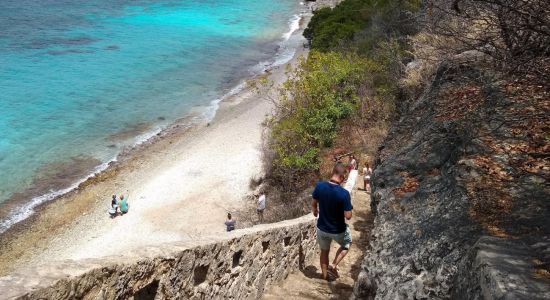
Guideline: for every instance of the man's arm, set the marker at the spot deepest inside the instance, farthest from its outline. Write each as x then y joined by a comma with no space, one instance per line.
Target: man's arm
314,207
347,214
348,207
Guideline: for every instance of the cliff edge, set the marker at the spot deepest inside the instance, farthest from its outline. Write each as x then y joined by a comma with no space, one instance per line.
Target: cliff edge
461,192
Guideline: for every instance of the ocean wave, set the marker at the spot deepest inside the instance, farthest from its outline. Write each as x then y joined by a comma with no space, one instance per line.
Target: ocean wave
285,53
286,48
210,112
294,25
142,138
22,212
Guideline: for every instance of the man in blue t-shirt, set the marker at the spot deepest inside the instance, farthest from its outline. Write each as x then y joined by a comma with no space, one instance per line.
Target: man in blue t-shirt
332,204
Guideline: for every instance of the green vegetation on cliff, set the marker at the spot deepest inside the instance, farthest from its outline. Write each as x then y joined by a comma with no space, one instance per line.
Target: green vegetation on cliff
338,28
351,75
319,93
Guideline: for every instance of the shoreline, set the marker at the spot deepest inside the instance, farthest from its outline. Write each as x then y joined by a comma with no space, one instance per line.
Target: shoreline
197,116
30,241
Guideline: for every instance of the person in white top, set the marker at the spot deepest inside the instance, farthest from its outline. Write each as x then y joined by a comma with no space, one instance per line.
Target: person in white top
261,206
367,172
352,163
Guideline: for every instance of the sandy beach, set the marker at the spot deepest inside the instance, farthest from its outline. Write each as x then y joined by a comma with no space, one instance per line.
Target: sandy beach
180,186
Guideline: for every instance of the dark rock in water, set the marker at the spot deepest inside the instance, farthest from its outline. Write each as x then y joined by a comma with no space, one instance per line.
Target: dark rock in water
112,47
130,132
70,51
440,184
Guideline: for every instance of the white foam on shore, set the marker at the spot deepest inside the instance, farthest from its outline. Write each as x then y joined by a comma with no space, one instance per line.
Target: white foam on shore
210,111
285,54
25,211
140,139
294,25
287,47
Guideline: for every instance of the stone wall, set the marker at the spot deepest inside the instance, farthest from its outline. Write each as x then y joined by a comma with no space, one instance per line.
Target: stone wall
236,265
498,268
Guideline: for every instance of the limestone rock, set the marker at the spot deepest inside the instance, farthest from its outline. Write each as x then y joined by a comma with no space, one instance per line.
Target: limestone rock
432,203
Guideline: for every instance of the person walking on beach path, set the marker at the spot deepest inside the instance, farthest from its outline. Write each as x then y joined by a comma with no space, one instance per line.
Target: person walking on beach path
367,172
261,207
230,223
332,204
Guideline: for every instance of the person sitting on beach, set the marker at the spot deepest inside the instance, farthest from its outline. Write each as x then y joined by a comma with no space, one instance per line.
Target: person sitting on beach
114,203
230,223
123,204
113,211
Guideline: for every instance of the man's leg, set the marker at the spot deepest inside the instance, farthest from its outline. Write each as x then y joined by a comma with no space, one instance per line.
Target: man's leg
340,254
345,242
324,262
324,245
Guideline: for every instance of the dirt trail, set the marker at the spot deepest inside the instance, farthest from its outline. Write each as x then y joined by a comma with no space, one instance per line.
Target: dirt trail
307,283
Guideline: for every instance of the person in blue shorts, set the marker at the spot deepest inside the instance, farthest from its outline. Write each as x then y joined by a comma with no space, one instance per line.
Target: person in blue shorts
332,204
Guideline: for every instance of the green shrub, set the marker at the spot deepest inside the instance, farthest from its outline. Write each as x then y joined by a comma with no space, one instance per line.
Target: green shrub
351,72
330,27
321,91
336,28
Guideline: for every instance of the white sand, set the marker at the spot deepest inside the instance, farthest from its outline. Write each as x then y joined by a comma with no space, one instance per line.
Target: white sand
180,188
183,192
191,192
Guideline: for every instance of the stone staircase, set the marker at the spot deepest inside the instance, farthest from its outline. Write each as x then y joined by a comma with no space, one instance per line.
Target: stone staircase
306,283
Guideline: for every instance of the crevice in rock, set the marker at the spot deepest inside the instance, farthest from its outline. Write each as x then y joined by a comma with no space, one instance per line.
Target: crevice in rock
286,241
200,273
265,246
237,258
148,292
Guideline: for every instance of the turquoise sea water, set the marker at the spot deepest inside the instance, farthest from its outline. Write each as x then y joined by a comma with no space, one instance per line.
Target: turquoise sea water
80,80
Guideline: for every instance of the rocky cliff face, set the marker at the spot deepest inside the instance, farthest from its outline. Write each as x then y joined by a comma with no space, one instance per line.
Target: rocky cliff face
465,165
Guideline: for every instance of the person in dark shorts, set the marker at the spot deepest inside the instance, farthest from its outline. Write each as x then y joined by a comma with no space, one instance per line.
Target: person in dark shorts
113,210
332,204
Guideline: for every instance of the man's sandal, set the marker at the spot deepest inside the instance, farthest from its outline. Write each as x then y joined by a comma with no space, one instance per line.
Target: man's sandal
333,271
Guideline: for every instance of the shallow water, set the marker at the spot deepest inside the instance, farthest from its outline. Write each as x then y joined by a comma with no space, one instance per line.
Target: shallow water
80,80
